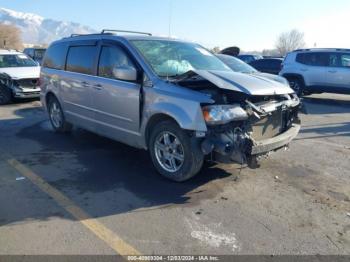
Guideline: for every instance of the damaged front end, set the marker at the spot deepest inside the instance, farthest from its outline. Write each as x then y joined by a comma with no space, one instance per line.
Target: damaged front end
244,127
268,126
20,88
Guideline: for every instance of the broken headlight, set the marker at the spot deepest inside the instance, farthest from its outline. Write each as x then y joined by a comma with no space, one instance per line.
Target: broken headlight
223,114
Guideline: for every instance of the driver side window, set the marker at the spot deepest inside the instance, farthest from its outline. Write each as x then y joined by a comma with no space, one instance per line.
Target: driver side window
112,57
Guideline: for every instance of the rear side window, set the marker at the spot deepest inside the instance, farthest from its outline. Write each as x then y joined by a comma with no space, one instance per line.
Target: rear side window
313,59
80,59
345,60
55,57
110,58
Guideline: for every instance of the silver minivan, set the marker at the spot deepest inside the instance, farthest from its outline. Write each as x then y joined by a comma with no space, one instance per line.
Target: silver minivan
174,98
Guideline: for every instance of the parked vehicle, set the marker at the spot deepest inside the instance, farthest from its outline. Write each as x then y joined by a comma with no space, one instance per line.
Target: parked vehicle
249,58
238,65
174,98
232,51
19,77
268,65
37,54
318,70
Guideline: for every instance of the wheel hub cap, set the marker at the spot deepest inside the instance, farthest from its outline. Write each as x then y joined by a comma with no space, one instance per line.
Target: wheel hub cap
55,115
169,152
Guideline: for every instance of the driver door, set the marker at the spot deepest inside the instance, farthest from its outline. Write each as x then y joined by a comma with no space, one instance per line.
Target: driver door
116,102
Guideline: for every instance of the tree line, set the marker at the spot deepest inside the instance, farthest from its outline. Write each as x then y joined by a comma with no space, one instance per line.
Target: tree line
10,38
286,42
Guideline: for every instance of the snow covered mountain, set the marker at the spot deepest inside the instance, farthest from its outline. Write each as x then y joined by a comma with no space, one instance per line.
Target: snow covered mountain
38,30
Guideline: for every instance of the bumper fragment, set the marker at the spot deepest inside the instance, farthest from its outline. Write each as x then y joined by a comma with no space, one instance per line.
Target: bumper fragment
276,142
26,93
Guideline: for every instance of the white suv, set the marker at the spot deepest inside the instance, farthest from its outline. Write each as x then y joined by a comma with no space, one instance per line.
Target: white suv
19,76
318,70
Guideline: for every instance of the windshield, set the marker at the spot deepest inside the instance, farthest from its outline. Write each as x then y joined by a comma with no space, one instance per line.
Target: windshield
172,58
236,64
19,60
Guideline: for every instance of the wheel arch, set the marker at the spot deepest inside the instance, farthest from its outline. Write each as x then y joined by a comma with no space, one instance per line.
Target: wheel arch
153,120
48,96
290,76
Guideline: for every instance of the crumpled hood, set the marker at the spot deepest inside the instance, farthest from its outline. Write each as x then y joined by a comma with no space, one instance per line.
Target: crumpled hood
22,72
271,76
245,83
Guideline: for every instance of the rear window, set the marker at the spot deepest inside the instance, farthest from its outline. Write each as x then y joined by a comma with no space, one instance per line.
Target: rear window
81,59
39,53
55,57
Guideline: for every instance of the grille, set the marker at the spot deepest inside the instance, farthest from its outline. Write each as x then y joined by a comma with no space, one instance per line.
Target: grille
28,83
268,127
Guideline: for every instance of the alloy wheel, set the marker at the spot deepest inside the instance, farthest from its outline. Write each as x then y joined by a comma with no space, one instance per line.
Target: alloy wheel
169,152
56,115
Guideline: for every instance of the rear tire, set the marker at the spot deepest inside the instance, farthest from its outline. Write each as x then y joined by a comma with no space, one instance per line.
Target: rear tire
175,154
5,95
57,119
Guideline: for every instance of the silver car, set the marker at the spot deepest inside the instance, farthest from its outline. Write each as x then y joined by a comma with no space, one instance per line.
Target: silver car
174,98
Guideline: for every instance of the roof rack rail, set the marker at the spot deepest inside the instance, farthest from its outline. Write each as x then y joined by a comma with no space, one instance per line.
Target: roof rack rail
73,35
105,31
321,49
298,50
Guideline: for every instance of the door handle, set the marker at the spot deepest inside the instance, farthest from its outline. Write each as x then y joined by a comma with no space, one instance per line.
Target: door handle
85,84
332,71
98,86
304,69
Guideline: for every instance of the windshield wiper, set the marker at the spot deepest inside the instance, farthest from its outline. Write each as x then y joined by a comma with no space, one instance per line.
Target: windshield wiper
185,76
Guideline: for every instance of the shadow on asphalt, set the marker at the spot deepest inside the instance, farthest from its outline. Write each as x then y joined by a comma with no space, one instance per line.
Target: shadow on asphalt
320,105
102,166
341,129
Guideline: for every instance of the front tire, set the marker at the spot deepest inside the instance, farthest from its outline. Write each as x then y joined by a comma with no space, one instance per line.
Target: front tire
5,95
175,154
297,85
57,119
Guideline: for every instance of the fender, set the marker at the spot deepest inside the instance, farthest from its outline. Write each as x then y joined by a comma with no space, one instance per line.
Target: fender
191,119
5,80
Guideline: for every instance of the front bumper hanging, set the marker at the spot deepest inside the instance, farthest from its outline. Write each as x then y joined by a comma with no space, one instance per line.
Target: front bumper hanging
274,143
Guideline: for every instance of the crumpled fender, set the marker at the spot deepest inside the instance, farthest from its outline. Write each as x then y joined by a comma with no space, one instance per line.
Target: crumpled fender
5,80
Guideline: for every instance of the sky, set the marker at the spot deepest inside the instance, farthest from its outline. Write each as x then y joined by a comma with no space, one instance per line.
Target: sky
249,24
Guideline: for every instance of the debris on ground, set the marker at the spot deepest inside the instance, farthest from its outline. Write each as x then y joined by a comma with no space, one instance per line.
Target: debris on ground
199,212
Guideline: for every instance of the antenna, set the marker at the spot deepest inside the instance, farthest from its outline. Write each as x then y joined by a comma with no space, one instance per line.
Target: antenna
169,32
170,18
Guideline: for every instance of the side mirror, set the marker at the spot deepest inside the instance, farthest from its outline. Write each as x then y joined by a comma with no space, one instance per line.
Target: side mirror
126,73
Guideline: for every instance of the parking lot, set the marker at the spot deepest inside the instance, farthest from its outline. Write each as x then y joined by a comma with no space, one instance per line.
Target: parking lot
84,194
